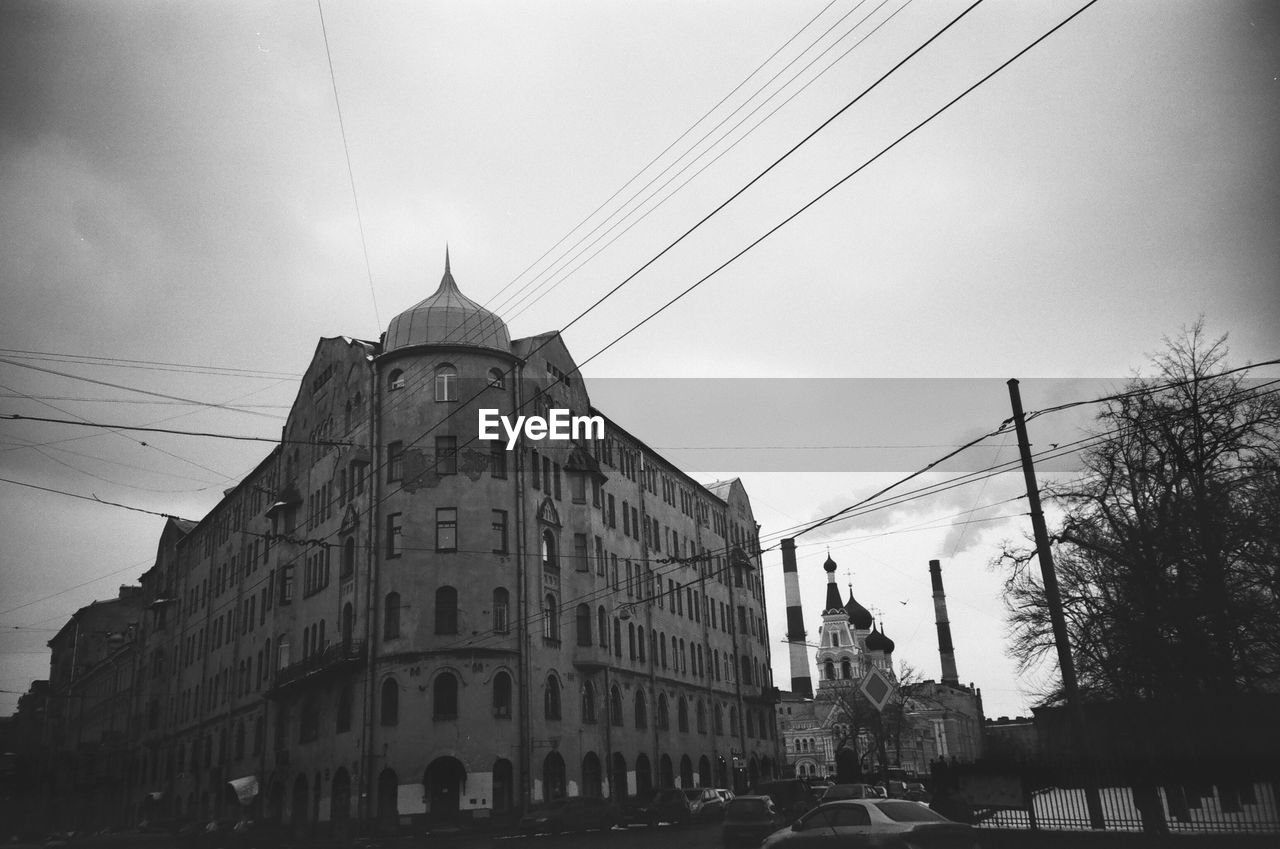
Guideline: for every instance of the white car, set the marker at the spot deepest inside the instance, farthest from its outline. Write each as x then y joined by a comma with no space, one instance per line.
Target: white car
872,822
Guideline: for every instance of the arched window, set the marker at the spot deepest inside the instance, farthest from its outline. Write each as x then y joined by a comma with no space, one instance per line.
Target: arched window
682,715
642,710
553,777
664,717
551,698
701,711
602,625
502,695
631,640
662,648
551,618
501,608
718,717
846,669
395,380
347,626
588,702
446,610
445,699
391,616
615,706
550,558
390,702
733,721
583,619
446,382
497,378
828,670
640,642
617,637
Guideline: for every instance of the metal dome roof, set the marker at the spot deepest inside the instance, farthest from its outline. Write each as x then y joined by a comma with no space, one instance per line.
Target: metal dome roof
859,616
448,317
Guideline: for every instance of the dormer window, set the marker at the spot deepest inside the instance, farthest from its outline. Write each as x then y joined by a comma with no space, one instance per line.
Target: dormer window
497,379
396,380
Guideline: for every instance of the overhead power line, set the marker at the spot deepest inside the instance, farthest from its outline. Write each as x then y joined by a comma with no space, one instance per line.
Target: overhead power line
149,365
281,441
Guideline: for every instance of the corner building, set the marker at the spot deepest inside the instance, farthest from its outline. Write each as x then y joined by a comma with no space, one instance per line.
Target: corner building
391,622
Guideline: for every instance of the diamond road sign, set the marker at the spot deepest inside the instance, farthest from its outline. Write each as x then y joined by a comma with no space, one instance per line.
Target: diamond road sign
878,689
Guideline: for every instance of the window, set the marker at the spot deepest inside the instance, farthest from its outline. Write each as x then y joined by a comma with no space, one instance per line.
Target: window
501,607
446,382
642,710
446,610
700,711
581,562
390,702
446,529
348,558
550,561
502,695
551,618
391,616
615,707
499,526
551,698
588,702
682,715
584,625
444,702
602,623
395,541
663,719
498,460
395,461
497,379
345,700
446,455
395,380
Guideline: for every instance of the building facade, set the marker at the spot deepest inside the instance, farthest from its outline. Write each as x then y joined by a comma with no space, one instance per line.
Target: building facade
389,621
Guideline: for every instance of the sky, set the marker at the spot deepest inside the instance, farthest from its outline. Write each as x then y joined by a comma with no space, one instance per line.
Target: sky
180,189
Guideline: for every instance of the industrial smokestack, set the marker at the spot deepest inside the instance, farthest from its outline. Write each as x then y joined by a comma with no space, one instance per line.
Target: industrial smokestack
945,649
798,650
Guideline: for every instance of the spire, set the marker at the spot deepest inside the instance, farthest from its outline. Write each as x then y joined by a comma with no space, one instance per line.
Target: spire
446,258
833,592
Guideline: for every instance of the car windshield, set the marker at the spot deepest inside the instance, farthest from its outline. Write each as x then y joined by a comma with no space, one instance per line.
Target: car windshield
909,812
745,808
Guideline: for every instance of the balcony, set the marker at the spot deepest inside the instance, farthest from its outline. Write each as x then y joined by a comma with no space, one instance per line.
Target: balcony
320,667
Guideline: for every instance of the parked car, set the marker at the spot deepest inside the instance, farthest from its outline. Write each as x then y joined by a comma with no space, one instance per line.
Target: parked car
665,806
577,814
704,803
748,820
791,796
838,792
872,822
915,792
726,795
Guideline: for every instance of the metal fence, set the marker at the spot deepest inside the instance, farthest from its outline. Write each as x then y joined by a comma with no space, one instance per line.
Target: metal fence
1178,809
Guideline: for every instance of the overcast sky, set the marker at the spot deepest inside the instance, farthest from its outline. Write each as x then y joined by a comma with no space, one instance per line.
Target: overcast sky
174,188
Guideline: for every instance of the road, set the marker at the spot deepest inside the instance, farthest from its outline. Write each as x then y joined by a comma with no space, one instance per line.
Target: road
635,837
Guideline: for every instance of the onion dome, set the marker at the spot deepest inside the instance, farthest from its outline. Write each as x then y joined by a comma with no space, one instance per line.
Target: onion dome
829,565
889,644
448,317
859,616
877,641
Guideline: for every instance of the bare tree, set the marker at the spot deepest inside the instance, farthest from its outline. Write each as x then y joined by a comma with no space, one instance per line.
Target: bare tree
1169,555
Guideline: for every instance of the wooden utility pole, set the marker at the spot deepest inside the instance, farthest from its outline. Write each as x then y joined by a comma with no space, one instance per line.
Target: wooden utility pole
1053,598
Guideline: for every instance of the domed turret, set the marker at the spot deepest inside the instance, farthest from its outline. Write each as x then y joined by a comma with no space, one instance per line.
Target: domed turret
448,317
859,616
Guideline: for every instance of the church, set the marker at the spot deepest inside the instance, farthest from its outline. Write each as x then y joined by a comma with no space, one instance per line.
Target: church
863,723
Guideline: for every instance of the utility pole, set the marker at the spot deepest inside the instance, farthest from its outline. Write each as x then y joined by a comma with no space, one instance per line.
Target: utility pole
1053,598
